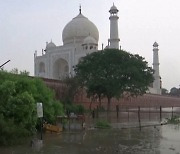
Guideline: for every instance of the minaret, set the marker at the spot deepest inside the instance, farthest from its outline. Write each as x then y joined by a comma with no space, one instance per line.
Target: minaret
157,78
114,36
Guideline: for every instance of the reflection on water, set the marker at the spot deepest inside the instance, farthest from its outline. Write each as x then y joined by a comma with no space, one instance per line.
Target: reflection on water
100,141
170,139
124,138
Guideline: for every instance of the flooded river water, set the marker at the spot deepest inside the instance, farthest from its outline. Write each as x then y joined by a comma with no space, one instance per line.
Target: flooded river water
125,137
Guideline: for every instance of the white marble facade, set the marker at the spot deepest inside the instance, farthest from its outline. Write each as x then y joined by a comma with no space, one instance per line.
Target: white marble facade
80,36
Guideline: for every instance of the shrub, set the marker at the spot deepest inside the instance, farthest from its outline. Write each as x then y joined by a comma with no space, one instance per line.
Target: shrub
173,120
77,109
102,124
80,109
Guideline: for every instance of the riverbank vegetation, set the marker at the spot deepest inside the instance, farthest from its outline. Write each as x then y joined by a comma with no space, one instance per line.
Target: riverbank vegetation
18,114
173,120
102,124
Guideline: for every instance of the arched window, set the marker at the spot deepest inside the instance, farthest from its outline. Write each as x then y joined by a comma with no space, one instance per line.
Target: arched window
91,47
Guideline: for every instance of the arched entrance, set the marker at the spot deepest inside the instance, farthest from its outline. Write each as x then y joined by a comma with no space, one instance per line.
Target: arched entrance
41,67
60,69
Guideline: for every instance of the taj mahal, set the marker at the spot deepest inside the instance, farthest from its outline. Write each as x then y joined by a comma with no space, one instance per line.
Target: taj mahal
80,37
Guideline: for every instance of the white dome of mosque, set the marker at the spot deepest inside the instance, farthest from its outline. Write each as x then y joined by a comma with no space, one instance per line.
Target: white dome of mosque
89,40
79,28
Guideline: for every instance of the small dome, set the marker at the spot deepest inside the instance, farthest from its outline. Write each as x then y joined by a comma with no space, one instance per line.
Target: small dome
50,45
89,40
79,28
113,9
155,44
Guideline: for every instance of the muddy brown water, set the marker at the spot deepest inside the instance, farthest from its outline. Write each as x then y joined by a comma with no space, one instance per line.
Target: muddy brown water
125,137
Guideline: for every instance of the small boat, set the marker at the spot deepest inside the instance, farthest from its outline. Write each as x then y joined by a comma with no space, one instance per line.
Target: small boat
52,128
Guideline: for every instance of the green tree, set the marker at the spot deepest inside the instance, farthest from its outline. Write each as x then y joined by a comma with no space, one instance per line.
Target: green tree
15,71
164,91
24,73
18,116
175,92
112,72
71,89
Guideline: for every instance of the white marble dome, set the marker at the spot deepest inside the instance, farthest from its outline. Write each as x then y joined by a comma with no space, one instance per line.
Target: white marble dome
79,28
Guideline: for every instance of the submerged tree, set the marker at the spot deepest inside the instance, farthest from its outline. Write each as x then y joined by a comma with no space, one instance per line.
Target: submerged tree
112,72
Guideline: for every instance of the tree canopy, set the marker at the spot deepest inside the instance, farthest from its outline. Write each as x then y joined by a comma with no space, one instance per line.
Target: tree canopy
111,72
18,115
165,91
175,92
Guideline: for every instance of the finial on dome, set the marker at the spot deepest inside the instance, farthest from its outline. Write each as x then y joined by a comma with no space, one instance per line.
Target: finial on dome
80,9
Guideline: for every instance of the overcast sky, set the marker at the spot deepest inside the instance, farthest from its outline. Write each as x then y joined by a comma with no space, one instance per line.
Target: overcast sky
26,26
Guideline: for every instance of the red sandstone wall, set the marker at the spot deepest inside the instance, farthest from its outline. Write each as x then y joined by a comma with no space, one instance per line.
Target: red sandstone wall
147,100
58,86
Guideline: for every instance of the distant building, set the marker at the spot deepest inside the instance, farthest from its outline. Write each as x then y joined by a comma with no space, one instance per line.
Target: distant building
80,36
